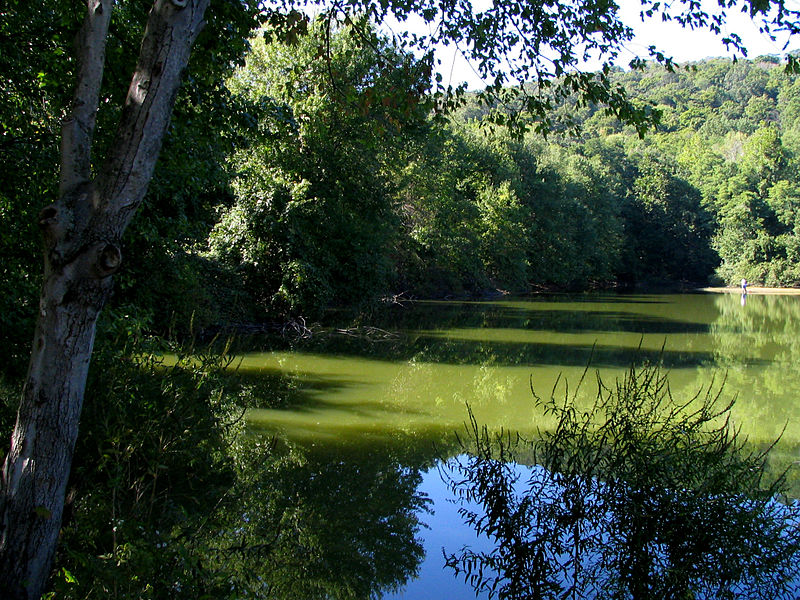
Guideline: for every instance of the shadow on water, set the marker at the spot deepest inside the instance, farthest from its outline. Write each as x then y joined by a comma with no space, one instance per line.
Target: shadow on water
597,322
364,417
517,333
271,388
587,312
445,350
320,521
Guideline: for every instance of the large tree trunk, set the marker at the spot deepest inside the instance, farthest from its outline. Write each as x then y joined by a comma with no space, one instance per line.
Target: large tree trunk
38,466
82,233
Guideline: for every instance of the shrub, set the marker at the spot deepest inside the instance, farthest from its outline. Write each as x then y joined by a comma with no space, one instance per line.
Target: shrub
639,496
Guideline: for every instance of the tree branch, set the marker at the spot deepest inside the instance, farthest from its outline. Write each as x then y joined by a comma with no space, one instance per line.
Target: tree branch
77,128
172,27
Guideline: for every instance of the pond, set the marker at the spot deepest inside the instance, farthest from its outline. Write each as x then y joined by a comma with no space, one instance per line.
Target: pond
375,408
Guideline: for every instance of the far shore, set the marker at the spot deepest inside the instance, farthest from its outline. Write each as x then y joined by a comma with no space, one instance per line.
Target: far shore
752,290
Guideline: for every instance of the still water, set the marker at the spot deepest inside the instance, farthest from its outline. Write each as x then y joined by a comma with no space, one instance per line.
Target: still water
373,409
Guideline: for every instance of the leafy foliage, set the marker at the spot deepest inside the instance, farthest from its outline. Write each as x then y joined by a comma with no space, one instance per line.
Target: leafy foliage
151,467
171,497
313,221
35,40
636,496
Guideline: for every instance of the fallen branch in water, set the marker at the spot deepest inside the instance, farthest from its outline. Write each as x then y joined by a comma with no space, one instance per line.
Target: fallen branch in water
368,333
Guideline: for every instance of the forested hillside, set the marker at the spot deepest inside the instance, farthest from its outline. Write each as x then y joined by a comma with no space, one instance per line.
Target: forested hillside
729,136
299,184
332,209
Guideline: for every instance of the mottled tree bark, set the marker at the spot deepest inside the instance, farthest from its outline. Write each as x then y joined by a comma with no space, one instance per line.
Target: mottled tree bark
82,233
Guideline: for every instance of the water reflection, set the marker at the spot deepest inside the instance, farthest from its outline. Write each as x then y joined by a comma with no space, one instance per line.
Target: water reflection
443,355
325,522
394,401
634,497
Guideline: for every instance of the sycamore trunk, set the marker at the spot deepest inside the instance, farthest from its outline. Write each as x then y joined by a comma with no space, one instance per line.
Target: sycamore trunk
82,235
38,466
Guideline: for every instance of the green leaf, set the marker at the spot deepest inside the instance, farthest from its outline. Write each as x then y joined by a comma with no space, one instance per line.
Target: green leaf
68,577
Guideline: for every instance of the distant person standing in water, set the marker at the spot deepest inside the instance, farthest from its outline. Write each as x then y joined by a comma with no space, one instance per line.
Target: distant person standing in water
744,286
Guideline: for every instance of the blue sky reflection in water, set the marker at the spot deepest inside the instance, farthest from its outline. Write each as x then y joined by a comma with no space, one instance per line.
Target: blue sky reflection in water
447,533
408,389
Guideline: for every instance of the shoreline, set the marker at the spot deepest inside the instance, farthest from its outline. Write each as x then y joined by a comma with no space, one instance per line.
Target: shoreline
752,290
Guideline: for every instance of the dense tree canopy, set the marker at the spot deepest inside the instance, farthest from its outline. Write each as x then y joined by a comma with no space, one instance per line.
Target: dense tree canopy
315,165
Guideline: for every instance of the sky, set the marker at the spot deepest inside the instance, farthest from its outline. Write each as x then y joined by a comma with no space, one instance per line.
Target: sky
683,45
686,45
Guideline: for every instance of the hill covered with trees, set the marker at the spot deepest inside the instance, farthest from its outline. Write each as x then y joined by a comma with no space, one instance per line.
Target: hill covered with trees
301,184
386,200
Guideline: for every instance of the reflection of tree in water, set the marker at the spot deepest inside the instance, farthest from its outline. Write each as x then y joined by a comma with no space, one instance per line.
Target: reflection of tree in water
528,332
743,340
491,387
320,525
174,498
758,346
767,327
640,496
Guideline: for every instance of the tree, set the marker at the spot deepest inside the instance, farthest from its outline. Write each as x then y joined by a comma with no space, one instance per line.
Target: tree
313,220
511,43
82,232
663,212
